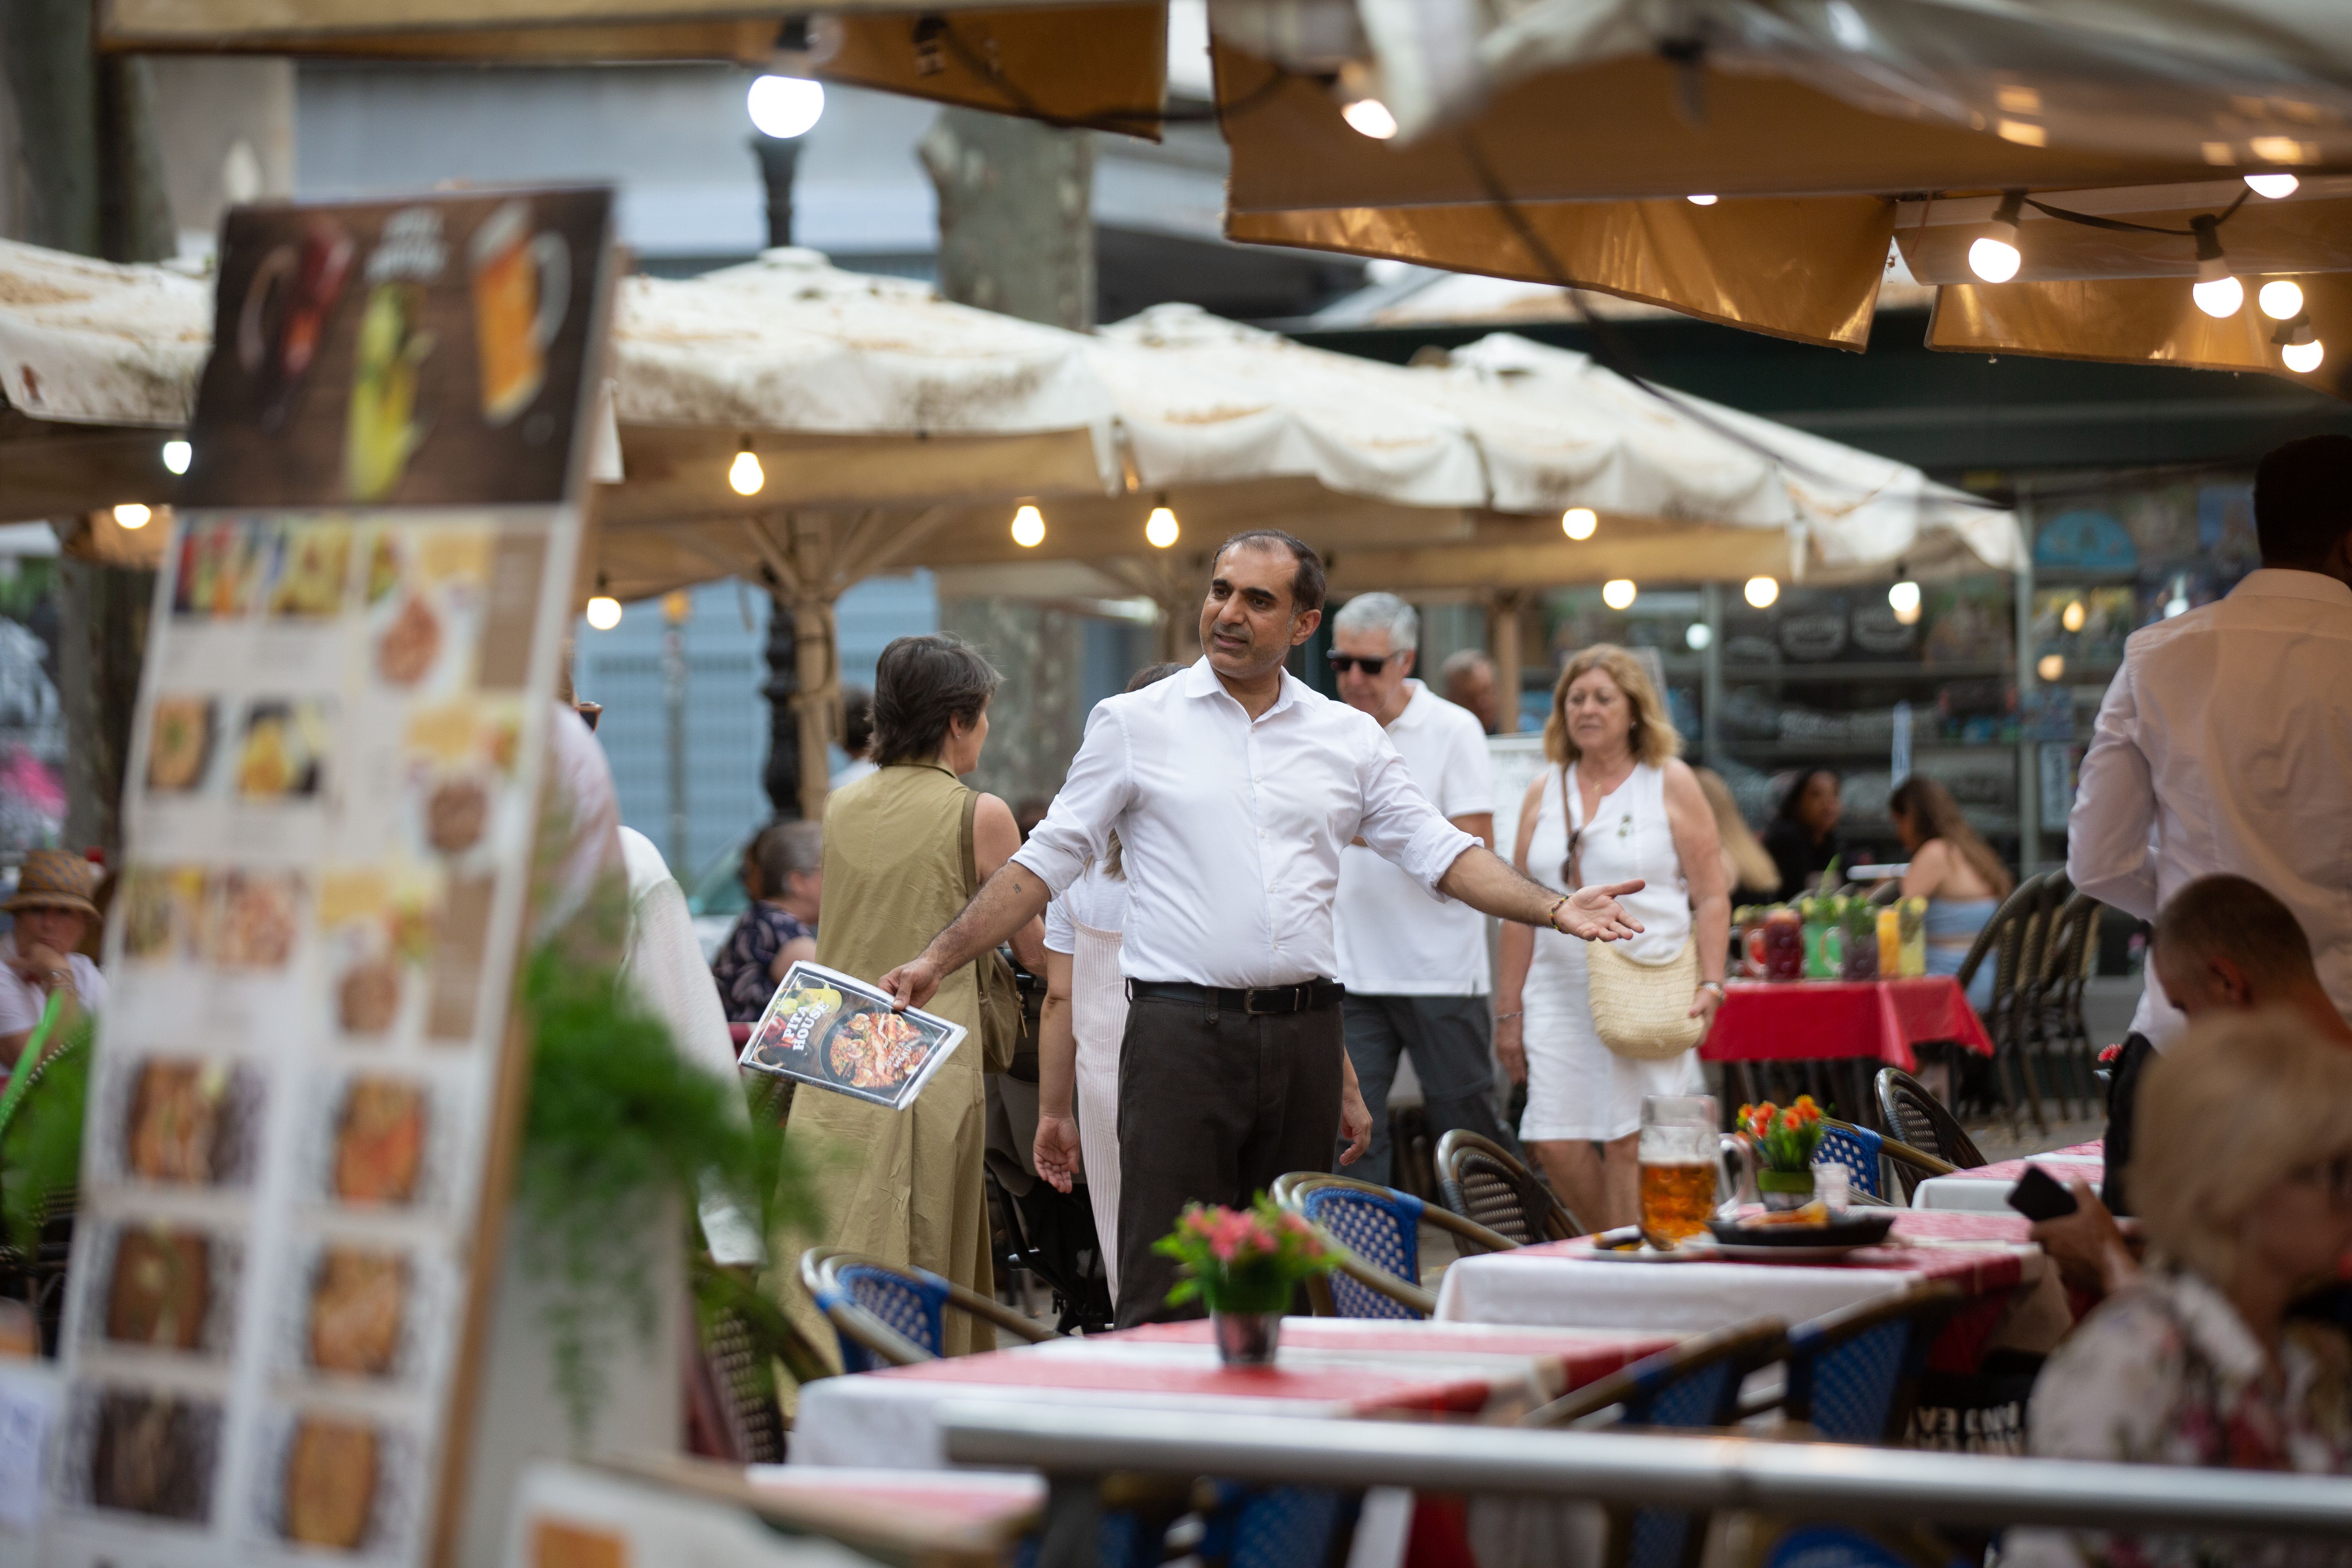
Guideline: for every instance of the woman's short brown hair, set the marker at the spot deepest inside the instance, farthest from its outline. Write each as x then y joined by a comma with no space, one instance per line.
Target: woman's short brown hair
2240,1102
920,685
1653,738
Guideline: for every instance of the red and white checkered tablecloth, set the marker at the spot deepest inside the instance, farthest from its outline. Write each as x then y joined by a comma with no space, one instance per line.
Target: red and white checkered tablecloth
1985,1188
1339,1368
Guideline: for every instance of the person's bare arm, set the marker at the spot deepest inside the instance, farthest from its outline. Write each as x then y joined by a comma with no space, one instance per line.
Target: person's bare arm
1930,864
1698,844
1488,883
800,950
996,838
1478,825
1055,1150
1009,902
1518,953
12,1047
2089,1247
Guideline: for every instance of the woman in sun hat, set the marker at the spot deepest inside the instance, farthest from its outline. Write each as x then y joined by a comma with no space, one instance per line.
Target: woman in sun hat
39,959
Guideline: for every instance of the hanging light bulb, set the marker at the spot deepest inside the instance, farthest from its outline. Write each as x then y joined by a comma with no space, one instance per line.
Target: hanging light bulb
2074,616
1161,529
1763,592
1696,635
1903,598
603,612
745,474
1370,117
2299,346
131,515
2280,299
2052,666
1994,256
1028,527
784,107
1578,521
1618,593
2217,293
2277,187
178,454
1705,201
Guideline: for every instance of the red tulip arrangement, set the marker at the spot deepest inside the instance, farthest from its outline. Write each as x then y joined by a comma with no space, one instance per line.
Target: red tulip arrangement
1244,1260
1784,1137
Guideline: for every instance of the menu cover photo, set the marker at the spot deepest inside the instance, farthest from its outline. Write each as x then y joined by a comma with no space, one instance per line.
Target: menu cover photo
827,1029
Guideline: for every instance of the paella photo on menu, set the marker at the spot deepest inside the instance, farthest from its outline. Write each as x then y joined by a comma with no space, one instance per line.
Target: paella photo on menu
824,1027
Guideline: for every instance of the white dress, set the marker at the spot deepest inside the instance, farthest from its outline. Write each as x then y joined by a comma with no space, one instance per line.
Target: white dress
1577,1087
1086,922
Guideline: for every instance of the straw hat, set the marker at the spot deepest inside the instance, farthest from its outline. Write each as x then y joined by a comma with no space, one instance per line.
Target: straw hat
55,879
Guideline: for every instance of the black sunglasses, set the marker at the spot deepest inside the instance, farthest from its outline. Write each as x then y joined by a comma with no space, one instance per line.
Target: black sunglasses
1344,662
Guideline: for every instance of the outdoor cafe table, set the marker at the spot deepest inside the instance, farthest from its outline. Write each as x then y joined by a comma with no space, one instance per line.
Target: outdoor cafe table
1336,1367
1815,1020
1985,1189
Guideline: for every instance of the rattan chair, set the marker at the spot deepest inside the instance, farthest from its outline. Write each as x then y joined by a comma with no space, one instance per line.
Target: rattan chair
890,1316
2065,1034
1934,1143
1380,1229
1853,1376
2003,942
1477,1179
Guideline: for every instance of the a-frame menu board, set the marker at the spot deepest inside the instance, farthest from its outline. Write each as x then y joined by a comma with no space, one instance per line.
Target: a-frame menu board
302,1094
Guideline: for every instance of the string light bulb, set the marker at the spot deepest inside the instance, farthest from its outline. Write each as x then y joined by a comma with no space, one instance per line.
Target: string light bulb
1028,527
1994,256
178,454
2052,665
744,475
1705,201
2299,347
1763,592
1370,117
1161,529
2280,299
1903,598
2217,293
603,612
133,515
2277,187
1619,593
1696,635
1578,521
2074,616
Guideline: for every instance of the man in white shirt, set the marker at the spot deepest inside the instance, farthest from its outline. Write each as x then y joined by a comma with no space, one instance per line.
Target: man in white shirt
37,959
1415,965
1233,788
2223,746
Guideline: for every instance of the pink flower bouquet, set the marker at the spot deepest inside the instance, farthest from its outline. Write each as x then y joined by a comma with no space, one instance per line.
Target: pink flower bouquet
1244,1260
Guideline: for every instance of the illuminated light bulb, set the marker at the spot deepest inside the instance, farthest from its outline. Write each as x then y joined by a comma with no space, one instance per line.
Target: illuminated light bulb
2303,358
1994,256
1763,592
1161,529
130,514
603,612
2052,667
1578,521
2280,299
2073,616
2217,293
1705,201
2176,606
1618,593
1370,117
745,475
178,454
784,107
1697,636
2277,187
1903,598
1028,527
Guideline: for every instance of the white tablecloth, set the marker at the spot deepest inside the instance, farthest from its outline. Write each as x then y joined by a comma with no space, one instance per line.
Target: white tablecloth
1986,1189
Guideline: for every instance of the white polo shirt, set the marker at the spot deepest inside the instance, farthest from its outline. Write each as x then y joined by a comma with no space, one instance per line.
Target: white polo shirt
1394,938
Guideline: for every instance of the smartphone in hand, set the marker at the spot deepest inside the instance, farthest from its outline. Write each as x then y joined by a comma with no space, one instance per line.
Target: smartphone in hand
2037,1197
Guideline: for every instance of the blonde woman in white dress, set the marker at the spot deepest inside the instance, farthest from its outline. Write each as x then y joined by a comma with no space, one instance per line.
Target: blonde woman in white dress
1616,804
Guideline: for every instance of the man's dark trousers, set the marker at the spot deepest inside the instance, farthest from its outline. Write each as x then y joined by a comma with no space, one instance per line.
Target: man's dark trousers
2123,1097
1451,1042
1214,1105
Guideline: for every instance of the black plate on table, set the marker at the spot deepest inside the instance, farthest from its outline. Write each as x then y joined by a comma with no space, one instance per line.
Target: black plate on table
1857,1227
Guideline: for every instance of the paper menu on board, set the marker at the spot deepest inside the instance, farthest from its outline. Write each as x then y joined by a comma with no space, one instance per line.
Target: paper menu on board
329,818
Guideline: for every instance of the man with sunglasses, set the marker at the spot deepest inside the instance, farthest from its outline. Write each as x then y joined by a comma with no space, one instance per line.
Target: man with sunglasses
1233,788
1415,965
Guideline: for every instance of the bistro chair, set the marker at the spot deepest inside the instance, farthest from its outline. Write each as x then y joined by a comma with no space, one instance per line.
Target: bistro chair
1695,1383
2066,1035
1379,1229
1853,1374
890,1316
1859,1149
1479,1179
1934,1143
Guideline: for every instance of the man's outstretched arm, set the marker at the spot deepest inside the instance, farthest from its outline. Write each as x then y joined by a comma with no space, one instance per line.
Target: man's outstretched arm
1487,882
1008,901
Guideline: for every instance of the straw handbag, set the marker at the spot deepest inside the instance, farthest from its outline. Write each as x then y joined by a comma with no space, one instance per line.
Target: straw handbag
1641,1011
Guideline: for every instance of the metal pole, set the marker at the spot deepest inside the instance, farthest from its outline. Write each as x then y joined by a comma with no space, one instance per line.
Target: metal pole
1845,1480
1710,708
2029,751
676,608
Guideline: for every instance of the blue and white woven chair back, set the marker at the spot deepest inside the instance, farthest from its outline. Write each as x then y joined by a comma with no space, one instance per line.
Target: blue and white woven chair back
1848,1388
912,1303
1384,1229
1697,1399
1855,1148
1274,1527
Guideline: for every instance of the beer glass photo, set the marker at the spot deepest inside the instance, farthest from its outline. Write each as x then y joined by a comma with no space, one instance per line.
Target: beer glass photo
523,285
1682,1171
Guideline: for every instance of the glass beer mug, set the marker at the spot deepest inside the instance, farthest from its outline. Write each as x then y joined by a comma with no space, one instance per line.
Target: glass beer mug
1683,1149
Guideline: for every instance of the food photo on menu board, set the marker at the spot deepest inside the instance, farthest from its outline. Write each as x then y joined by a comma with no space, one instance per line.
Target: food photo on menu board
826,1029
407,354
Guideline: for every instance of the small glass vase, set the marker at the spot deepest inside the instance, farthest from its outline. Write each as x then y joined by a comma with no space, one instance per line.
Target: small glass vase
1784,1189
1246,1339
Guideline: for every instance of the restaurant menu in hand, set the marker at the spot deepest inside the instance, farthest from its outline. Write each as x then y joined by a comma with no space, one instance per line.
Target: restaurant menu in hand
824,1027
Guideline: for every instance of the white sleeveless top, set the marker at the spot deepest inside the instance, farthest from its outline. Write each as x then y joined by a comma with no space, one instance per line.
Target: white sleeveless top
1628,837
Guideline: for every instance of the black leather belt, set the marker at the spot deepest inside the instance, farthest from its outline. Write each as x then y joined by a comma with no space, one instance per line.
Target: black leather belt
1306,996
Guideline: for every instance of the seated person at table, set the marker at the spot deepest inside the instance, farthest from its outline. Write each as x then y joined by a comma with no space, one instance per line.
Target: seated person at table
40,958
2222,944
1954,870
2246,1184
